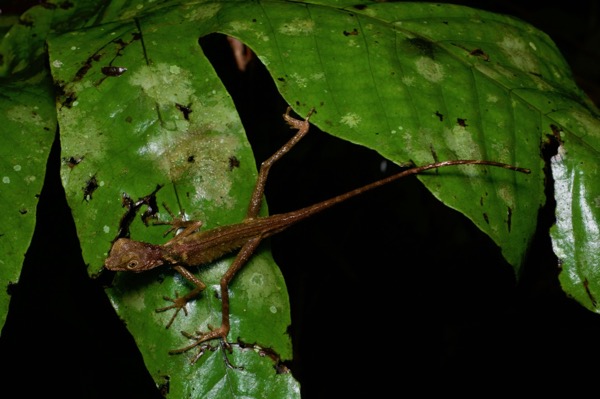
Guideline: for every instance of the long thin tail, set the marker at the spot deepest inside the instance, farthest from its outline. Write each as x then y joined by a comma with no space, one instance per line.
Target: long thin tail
312,209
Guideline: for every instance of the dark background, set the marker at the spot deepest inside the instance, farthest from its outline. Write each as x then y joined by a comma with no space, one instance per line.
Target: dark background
389,292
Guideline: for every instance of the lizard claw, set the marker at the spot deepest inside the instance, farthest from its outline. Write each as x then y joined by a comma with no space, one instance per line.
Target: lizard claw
178,304
178,223
200,342
201,337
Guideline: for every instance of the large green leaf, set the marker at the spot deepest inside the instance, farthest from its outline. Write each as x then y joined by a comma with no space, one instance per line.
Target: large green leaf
23,45
28,127
130,134
410,81
576,234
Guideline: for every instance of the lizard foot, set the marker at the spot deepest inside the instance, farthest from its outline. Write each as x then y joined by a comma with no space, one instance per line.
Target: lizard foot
201,342
179,223
179,303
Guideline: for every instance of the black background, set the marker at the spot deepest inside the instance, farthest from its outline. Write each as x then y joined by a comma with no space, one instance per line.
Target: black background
389,292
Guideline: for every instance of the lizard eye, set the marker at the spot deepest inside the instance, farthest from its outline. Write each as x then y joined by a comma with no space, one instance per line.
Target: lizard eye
132,264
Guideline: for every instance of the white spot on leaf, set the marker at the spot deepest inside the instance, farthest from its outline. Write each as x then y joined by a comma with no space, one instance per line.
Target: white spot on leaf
460,140
408,80
297,27
518,53
194,12
429,69
350,119
164,83
299,80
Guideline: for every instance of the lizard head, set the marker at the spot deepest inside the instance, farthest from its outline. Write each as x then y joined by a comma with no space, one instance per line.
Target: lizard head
133,256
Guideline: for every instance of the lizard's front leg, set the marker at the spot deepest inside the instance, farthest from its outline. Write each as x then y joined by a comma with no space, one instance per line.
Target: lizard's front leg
180,303
178,223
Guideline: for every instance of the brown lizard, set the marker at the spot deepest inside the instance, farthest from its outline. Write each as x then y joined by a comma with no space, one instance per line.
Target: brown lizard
192,247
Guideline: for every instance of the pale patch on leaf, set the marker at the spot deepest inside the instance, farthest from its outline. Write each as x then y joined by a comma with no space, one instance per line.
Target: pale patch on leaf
297,27
164,83
519,53
429,69
350,119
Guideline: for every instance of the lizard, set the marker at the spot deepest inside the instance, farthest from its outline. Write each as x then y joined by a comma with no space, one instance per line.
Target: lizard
193,247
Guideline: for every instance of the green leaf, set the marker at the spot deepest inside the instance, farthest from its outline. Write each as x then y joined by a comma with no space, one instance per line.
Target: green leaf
28,126
23,45
28,123
410,81
129,134
576,234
